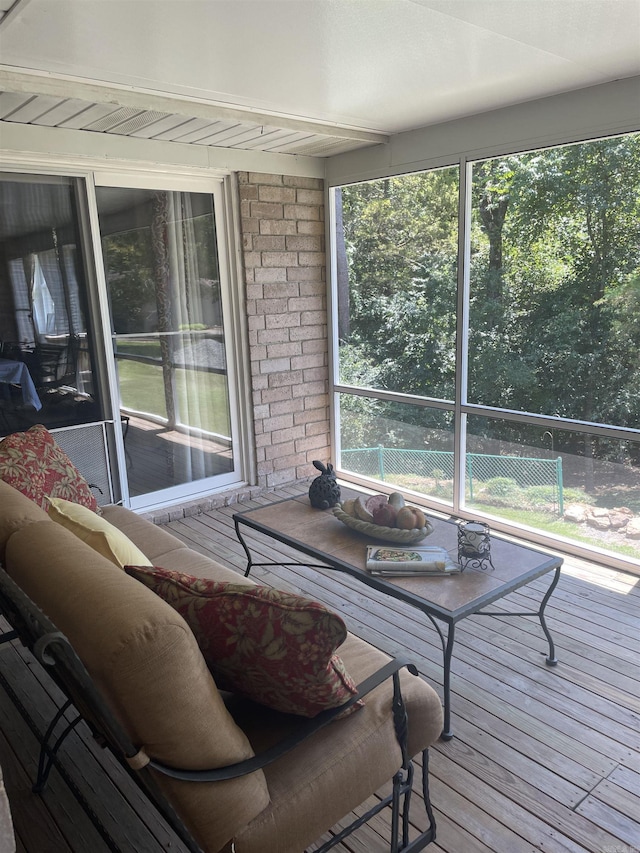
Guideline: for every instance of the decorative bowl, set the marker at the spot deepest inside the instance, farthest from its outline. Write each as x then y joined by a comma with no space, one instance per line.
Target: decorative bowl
385,534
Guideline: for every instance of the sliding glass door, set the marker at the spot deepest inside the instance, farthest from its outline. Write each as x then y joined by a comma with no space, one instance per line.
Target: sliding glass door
165,292
47,346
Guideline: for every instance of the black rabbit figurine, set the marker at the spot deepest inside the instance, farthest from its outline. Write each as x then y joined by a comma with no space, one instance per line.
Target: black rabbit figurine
324,492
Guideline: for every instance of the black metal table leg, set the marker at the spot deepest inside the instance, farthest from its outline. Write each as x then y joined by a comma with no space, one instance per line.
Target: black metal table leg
245,546
447,733
551,659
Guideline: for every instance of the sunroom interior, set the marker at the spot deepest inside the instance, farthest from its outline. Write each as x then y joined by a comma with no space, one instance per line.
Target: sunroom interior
240,236
177,275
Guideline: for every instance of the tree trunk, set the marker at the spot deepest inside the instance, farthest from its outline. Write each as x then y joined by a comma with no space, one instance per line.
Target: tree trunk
342,273
160,244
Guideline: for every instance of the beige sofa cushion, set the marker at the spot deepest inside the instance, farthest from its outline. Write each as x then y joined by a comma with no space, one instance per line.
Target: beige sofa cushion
315,786
167,551
151,539
145,660
16,511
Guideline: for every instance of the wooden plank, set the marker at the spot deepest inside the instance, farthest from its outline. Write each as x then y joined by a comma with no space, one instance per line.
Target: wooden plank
619,798
99,781
618,824
627,779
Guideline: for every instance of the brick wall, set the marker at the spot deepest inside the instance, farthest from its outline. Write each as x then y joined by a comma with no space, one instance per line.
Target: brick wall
284,262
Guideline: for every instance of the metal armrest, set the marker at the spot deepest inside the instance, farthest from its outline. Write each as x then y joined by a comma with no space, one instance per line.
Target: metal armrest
306,729
53,649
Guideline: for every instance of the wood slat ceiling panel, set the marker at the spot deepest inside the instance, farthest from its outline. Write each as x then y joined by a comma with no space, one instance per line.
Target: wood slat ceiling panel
61,112
12,101
33,110
202,128
233,136
139,122
159,126
92,114
77,114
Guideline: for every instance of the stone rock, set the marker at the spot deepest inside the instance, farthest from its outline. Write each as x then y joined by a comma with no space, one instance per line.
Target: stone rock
576,513
632,529
598,512
618,519
600,522
623,510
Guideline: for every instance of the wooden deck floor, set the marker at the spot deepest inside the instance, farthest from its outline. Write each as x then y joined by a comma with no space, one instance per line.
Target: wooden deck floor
543,759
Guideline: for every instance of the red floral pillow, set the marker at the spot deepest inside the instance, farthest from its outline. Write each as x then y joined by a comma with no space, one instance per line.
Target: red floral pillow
274,647
35,465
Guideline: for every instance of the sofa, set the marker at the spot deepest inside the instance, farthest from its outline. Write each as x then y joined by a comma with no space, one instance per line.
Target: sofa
149,669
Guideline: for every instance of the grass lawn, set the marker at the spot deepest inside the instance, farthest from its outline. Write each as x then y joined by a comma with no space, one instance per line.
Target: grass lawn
202,397
544,521
560,527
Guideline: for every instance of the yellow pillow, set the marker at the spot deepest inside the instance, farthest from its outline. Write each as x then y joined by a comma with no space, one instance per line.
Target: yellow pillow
96,532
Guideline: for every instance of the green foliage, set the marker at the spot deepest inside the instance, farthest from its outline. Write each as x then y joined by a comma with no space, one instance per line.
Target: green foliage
128,263
502,489
542,497
555,283
401,245
562,335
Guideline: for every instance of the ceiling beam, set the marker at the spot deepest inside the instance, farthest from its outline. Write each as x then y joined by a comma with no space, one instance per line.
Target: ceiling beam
43,83
12,11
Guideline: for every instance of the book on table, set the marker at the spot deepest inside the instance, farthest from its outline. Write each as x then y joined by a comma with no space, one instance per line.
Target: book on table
427,560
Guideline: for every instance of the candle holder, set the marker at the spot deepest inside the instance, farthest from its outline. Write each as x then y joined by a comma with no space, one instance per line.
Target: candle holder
474,545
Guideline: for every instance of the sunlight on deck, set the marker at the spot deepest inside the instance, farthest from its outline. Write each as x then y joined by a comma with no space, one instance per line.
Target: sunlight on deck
616,581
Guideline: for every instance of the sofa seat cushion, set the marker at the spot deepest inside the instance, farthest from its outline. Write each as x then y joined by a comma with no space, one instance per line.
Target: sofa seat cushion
192,563
145,660
33,463
275,647
17,511
314,786
164,549
97,532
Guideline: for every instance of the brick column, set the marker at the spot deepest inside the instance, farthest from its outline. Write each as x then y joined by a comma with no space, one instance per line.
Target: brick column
284,261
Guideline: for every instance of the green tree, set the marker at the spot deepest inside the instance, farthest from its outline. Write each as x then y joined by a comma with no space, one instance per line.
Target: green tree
400,237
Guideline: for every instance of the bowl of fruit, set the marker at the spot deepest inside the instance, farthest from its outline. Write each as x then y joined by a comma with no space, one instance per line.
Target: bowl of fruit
384,517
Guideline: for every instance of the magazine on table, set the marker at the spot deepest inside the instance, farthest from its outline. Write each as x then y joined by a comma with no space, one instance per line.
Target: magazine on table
413,560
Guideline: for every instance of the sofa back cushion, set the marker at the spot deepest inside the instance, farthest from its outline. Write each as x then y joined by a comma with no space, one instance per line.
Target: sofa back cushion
16,511
146,662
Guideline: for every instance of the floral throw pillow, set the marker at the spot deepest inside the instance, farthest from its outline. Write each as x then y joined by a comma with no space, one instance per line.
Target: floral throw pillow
35,465
274,647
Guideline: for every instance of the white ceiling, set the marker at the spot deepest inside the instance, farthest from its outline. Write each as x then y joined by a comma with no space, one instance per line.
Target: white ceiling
299,76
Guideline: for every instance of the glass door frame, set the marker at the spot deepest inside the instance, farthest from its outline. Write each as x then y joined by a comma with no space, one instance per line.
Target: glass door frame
221,190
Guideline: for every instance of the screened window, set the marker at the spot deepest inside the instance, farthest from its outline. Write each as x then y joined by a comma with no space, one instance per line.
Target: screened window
531,415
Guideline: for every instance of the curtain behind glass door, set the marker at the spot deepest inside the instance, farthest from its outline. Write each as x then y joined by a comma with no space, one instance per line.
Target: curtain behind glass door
163,283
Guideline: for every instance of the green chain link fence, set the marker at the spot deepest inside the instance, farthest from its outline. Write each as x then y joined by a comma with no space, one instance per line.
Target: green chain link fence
384,463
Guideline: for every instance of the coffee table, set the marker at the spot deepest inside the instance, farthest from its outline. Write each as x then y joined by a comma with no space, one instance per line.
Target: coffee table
321,536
